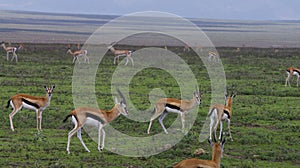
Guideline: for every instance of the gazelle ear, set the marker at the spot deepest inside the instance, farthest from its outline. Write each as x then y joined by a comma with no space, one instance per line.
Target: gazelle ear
53,86
44,86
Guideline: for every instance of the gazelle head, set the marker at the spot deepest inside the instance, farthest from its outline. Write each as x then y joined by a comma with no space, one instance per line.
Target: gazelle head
229,99
218,147
49,90
122,106
197,96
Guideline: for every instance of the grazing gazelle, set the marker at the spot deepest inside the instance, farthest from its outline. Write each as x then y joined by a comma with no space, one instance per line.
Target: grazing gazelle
215,162
38,104
97,118
166,105
121,53
220,112
12,50
77,54
292,71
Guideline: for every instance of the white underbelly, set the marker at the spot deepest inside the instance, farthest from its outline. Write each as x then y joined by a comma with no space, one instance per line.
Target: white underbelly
27,106
172,110
225,116
295,73
92,122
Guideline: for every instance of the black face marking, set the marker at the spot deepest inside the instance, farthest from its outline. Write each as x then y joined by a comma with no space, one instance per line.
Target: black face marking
30,103
173,107
95,117
226,112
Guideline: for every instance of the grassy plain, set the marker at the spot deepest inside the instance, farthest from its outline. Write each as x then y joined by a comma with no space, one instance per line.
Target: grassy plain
265,122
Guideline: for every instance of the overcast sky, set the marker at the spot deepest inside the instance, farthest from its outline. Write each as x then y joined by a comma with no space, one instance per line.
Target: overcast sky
211,9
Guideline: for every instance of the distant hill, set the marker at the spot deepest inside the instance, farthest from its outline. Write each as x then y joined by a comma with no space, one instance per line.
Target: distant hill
38,27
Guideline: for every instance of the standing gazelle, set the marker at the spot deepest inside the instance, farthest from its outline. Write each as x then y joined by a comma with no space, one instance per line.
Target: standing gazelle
220,112
121,53
215,162
12,50
77,54
292,71
165,105
97,118
38,104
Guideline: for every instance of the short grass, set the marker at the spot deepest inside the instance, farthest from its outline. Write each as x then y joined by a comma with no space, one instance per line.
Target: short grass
265,122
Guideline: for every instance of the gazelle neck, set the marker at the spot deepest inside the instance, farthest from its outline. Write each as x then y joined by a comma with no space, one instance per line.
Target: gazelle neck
216,154
113,113
229,103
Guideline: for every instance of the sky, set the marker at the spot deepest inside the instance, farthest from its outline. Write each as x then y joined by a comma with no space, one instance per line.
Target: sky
208,9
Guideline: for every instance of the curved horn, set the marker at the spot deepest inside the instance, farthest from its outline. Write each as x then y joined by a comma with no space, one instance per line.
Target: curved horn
197,89
121,95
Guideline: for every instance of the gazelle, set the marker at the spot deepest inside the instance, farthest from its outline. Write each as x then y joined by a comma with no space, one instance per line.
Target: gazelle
292,71
215,162
166,105
213,56
77,54
12,50
38,104
186,48
97,118
121,53
219,113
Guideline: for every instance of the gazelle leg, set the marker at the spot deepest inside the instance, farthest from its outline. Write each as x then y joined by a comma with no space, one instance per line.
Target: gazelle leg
16,58
115,58
221,127
161,119
298,80
287,80
72,132
228,124
74,59
215,128
211,126
99,135
11,115
126,60
182,121
131,60
38,119
103,139
80,139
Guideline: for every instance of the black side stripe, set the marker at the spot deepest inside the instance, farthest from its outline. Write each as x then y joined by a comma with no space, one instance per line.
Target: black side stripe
173,107
297,71
30,103
226,112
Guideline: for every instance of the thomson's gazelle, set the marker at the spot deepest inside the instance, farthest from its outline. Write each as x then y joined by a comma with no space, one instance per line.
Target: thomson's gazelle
121,53
292,71
95,117
38,104
77,54
215,162
166,105
12,50
220,112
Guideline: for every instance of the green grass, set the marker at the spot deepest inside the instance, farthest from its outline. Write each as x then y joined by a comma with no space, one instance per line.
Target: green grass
265,122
